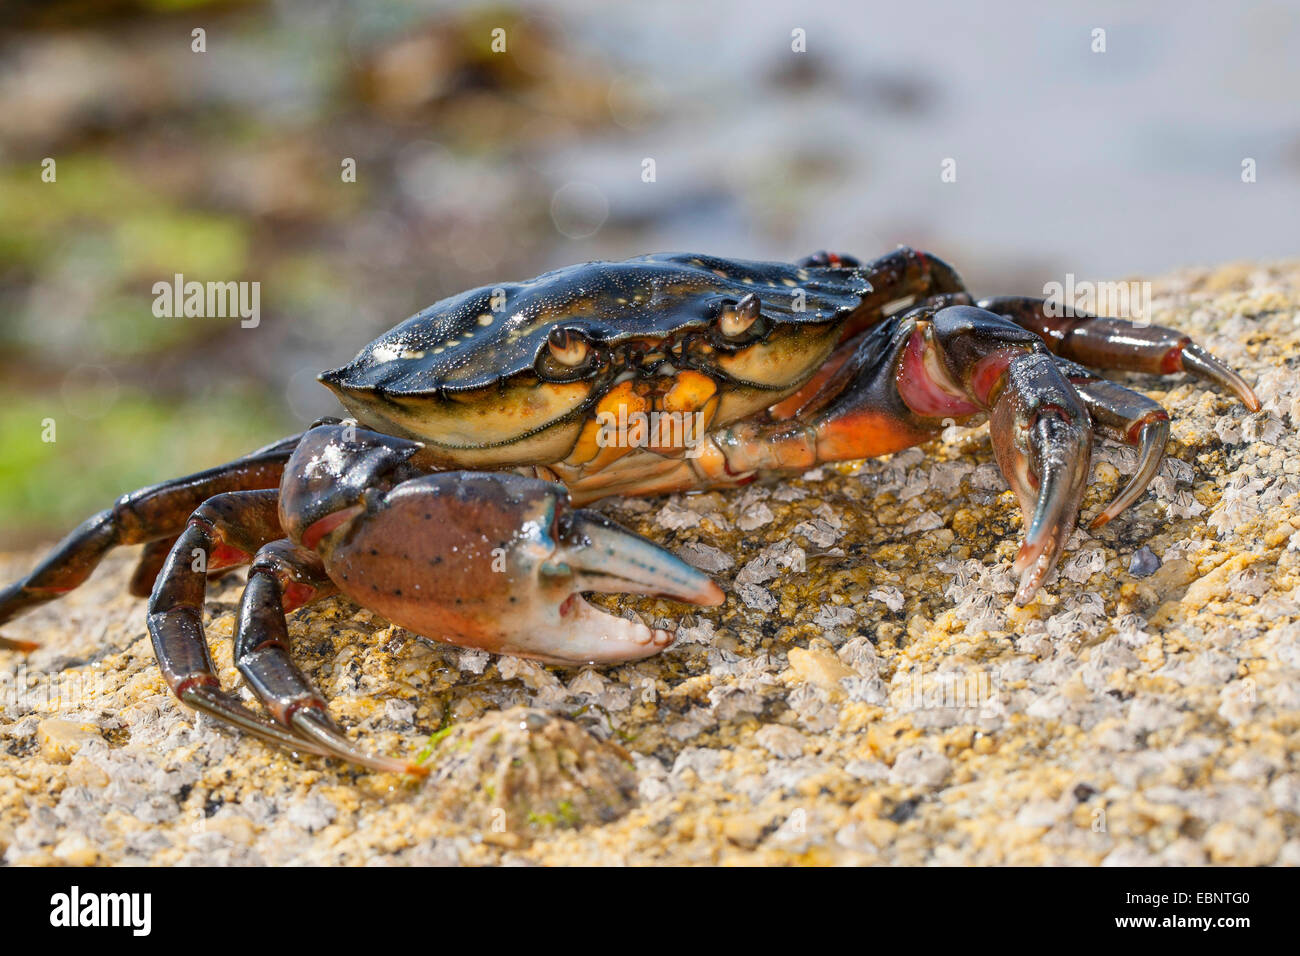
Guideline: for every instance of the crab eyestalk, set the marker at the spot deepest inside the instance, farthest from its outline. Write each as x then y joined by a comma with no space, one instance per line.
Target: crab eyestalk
499,562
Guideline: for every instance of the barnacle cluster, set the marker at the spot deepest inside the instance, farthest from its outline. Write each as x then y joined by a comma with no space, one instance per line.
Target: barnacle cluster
515,772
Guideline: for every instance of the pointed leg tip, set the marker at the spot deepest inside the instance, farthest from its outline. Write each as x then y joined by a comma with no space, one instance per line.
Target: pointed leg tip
1241,388
1026,593
319,730
1203,365
1154,435
1031,579
396,765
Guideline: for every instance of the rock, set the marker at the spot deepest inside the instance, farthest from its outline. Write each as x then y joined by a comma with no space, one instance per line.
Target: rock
745,831
820,668
76,850
1143,563
920,767
758,598
237,829
61,739
84,773
513,774
705,558
313,813
780,741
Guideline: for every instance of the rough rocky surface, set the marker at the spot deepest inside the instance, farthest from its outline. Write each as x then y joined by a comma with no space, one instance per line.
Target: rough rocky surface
867,695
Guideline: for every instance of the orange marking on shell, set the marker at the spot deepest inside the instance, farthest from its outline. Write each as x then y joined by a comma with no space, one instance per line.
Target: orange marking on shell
690,391
587,446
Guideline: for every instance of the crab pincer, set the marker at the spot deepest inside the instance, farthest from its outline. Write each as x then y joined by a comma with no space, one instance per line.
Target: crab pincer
1042,439
1044,408
499,561
1042,432
489,559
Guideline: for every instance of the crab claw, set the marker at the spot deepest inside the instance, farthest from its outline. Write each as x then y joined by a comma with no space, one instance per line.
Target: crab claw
1042,438
499,561
1194,360
594,554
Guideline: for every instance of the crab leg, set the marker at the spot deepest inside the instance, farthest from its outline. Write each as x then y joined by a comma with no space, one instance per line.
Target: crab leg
152,558
1125,416
148,515
1042,440
909,377
858,412
1120,344
283,577
224,531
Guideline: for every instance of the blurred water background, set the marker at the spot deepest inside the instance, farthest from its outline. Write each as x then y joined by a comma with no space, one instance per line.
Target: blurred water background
475,166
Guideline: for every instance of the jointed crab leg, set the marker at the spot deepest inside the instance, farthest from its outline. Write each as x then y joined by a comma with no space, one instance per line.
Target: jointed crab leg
1125,416
150,514
1041,429
899,279
150,564
225,531
910,375
222,532
282,577
1120,344
911,276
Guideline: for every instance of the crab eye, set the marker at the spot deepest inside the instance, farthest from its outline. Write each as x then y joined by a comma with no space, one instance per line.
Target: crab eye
736,319
568,347
569,355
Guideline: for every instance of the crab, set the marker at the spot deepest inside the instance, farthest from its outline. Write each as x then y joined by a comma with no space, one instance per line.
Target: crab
451,502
